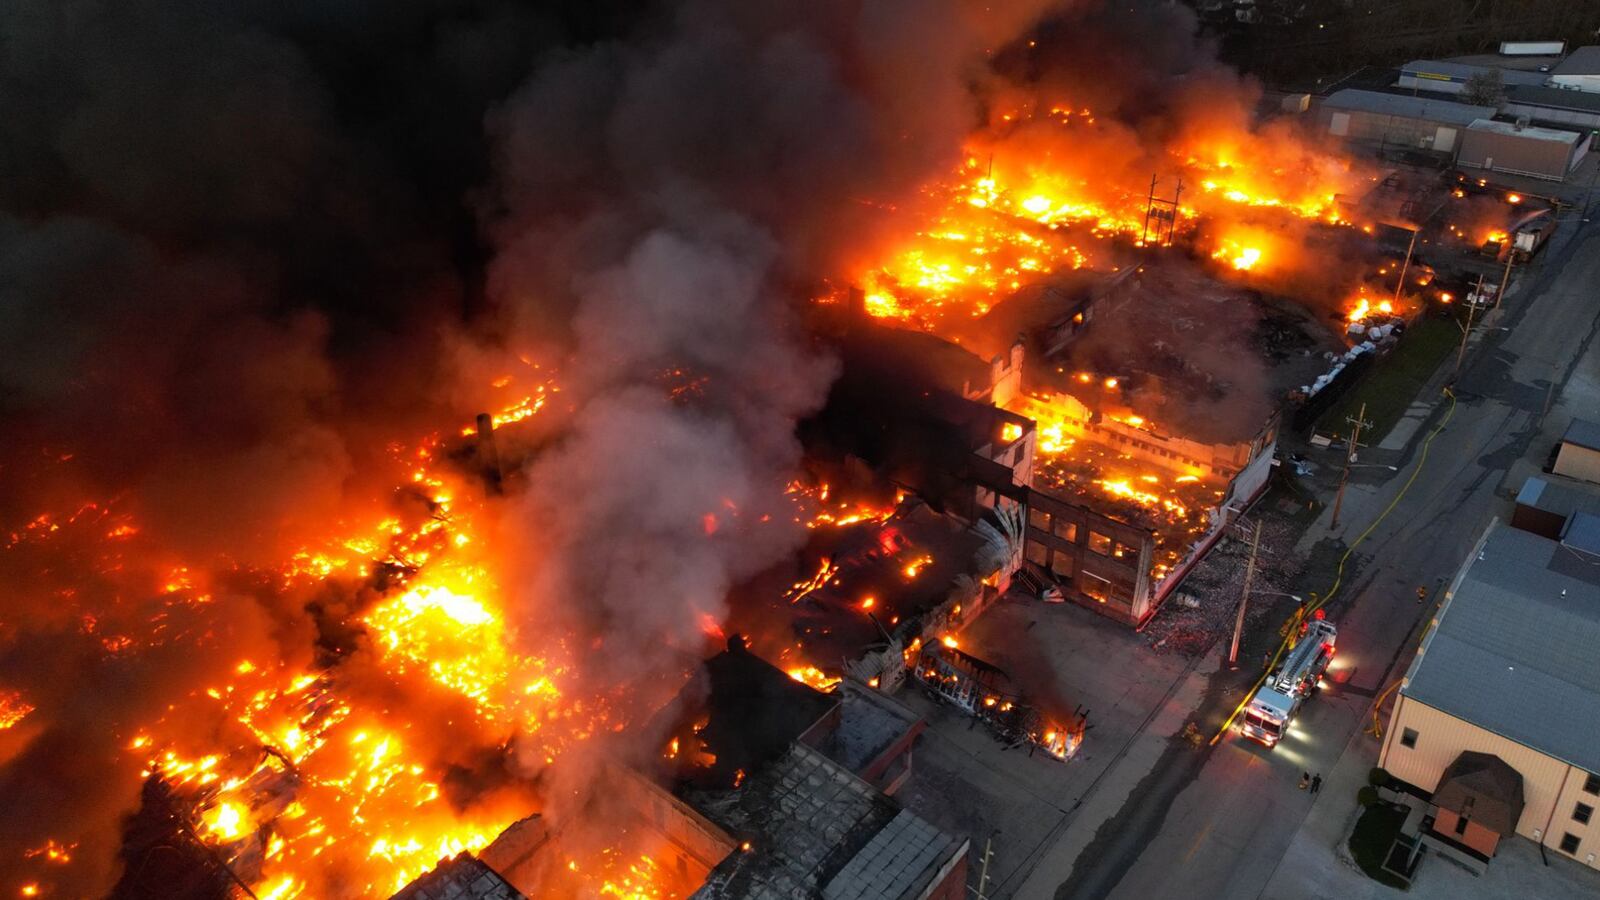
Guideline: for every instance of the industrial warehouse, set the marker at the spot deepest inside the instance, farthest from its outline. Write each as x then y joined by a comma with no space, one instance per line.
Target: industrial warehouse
1505,683
1540,122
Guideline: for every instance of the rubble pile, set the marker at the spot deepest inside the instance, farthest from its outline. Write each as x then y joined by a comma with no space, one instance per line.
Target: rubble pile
1203,609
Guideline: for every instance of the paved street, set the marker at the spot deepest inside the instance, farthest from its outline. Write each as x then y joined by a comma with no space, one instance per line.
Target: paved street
1217,823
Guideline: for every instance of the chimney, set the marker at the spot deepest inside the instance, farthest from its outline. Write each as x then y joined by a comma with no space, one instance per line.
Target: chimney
855,308
488,454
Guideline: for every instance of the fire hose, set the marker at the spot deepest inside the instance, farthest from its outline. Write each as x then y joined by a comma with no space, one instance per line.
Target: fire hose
1292,627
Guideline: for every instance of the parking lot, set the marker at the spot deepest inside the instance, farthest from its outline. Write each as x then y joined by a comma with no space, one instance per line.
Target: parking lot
968,783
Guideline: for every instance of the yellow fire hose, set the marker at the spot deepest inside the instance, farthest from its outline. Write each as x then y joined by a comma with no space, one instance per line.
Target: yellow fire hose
1292,630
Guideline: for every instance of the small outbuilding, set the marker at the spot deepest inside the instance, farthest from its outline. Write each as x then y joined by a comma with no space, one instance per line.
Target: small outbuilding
1479,801
1578,455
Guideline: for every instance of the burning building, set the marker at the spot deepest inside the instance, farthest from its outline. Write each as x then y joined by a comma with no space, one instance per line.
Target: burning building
1119,505
764,787
462,878
1124,503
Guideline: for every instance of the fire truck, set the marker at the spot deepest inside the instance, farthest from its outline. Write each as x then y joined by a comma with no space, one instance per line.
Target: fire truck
1267,716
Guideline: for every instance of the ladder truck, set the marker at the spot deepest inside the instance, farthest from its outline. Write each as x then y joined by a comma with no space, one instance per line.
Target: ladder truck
1266,717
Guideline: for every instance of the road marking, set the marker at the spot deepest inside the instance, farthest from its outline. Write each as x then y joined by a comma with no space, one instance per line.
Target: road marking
1198,840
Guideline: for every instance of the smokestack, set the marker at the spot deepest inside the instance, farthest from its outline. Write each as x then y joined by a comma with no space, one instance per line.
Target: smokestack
488,454
856,308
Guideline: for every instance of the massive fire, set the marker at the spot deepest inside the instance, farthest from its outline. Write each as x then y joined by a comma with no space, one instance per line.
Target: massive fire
314,783
1022,206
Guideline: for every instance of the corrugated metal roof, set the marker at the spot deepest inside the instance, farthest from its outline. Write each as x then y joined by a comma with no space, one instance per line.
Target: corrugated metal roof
461,878
1445,111
1562,496
1584,433
1583,533
1582,61
1554,98
1463,71
1515,648
901,860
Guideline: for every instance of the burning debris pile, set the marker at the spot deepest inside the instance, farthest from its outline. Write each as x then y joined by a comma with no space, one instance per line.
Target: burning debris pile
985,692
875,588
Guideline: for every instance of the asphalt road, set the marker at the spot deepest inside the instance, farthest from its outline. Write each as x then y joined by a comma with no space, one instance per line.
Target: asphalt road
1214,823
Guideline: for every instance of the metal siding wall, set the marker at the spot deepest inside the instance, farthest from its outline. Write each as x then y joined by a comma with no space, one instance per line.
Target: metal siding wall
1563,823
1578,462
1442,737
1512,153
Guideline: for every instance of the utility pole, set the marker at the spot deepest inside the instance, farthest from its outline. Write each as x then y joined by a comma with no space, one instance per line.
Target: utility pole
1411,248
1472,307
1349,459
1244,598
1172,226
1149,207
983,875
1505,279
1400,285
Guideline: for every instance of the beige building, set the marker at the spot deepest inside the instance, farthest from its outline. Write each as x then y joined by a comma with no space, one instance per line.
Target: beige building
1578,455
1498,718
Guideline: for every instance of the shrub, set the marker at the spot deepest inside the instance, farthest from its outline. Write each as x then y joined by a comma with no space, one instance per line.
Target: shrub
1367,796
1370,840
1378,777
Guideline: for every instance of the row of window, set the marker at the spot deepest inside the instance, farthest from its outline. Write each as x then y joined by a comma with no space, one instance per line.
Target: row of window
1153,449
1060,563
1068,531
1581,812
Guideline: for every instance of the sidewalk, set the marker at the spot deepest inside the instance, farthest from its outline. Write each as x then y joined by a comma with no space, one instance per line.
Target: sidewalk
1317,865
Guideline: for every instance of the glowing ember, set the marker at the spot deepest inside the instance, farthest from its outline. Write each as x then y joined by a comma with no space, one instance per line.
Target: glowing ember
801,589
814,677
819,509
13,709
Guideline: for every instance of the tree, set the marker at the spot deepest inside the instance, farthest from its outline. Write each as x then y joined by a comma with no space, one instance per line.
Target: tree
1483,89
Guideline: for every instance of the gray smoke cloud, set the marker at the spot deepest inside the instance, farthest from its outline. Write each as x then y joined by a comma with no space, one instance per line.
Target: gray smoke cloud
667,201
